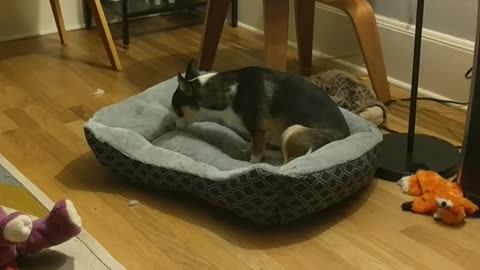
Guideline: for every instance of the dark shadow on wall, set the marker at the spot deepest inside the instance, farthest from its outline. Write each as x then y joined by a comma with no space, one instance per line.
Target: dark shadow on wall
19,19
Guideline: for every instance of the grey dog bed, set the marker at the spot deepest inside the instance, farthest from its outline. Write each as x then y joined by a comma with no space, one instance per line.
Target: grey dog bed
137,139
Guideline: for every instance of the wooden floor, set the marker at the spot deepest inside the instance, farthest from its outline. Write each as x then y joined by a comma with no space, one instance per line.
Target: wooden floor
47,93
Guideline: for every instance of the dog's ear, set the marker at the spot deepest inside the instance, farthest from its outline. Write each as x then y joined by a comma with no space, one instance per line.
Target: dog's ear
192,70
184,85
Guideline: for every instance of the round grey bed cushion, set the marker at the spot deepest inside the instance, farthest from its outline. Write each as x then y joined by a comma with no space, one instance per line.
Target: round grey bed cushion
137,139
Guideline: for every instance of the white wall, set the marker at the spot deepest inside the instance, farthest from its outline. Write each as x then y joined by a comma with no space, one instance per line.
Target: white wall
24,18
453,17
445,57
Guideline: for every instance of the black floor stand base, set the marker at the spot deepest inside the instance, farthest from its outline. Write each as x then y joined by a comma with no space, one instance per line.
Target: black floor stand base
429,153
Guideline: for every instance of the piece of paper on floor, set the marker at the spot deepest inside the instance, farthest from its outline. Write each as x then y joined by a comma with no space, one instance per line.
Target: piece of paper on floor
99,92
133,203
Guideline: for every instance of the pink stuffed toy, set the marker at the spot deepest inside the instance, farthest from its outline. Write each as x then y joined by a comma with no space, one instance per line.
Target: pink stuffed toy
20,235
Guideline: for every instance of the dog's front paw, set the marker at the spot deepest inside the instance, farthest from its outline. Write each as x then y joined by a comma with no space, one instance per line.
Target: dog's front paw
180,123
255,159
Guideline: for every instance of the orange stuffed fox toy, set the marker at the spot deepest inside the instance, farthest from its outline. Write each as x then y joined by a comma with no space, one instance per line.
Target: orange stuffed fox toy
436,196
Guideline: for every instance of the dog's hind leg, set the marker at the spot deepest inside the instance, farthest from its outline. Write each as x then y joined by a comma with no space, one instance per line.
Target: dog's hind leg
298,140
295,142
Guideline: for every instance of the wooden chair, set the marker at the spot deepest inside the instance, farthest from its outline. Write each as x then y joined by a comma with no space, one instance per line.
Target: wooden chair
102,26
276,35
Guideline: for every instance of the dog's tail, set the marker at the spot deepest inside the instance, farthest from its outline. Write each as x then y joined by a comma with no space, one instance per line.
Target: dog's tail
298,140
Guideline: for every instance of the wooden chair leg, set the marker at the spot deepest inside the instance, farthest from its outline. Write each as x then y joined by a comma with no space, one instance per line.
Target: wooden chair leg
57,14
213,27
102,25
275,13
304,21
363,19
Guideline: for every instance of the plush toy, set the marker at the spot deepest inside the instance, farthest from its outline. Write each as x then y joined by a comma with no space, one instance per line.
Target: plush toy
20,235
436,196
351,94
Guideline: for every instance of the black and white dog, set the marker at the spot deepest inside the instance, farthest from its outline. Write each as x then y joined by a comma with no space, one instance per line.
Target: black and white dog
274,107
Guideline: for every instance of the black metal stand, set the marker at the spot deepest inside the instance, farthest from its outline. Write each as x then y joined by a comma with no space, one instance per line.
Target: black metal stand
87,15
125,28
404,154
469,175
234,13
179,5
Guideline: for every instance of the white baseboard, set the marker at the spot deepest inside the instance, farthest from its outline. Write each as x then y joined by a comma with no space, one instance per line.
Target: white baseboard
445,58
40,33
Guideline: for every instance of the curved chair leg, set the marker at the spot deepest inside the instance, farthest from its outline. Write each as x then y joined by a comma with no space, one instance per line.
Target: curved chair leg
304,21
276,32
213,27
275,16
102,26
57,14
363,19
